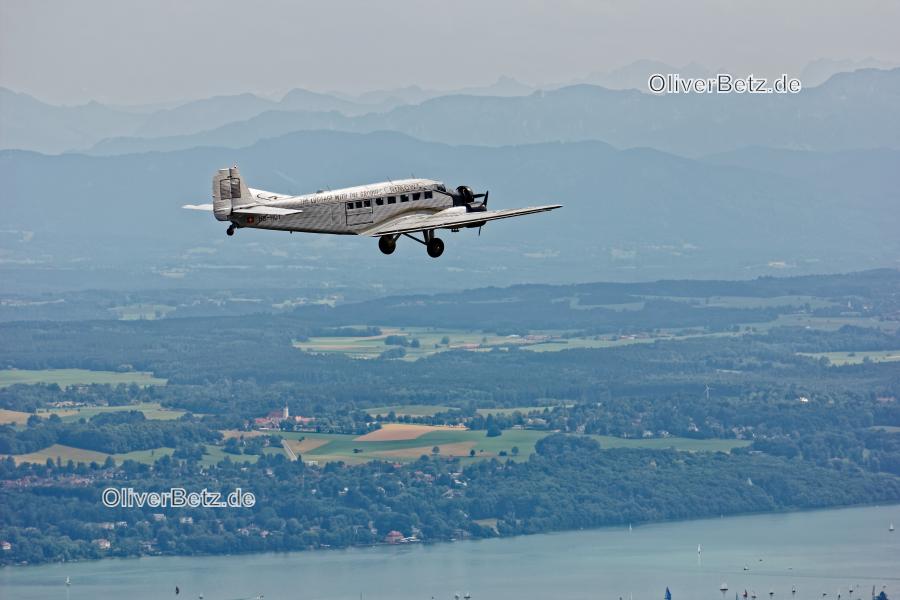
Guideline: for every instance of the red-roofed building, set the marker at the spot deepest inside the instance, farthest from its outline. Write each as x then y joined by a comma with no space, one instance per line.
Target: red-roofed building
393,537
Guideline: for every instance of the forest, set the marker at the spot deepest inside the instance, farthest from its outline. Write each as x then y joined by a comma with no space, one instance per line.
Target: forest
799,370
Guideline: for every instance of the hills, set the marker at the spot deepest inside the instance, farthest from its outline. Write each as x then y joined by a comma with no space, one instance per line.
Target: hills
851,110
628,214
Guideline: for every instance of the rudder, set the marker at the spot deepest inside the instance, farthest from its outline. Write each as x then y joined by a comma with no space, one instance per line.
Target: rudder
229,191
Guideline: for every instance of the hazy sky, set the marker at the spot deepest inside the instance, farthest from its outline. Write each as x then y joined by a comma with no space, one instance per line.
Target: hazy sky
126,51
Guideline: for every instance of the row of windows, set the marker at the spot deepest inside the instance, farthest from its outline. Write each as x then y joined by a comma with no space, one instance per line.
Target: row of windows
390,200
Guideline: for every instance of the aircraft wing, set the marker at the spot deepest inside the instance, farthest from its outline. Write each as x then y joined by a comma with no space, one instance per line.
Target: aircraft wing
450,218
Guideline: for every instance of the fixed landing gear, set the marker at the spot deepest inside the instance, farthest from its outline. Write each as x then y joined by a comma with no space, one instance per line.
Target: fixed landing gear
387,244
231,229
435,247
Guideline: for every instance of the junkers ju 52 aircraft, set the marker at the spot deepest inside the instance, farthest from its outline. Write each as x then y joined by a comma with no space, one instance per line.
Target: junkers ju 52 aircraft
383,210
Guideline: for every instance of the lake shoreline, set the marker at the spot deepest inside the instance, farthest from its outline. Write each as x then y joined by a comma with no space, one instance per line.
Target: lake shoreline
314,550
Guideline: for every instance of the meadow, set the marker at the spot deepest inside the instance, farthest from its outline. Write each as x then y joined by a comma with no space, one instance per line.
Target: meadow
64,454
151,410
409,410
840,359
70,377
396,444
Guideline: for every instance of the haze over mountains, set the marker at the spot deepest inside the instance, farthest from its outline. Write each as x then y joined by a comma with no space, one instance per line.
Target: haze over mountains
653,186
849,110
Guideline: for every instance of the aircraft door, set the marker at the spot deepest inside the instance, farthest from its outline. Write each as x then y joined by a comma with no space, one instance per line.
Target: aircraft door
359,212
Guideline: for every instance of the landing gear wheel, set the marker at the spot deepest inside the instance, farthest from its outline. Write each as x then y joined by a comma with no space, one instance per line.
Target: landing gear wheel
387,244
230,230
435,247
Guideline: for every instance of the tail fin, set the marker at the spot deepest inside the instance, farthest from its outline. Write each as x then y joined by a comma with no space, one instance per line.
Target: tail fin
229,191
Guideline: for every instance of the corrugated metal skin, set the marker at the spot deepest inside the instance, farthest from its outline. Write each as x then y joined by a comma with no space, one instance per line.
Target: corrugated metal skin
324,212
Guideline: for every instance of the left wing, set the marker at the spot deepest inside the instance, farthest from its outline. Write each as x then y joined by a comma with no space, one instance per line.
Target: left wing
450,218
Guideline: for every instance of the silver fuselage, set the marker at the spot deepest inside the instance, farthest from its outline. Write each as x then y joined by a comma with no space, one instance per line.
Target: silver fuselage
350,210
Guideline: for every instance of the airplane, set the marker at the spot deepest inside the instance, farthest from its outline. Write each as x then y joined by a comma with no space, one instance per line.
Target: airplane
384,210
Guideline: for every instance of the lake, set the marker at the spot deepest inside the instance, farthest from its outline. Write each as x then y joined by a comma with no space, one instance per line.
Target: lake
817,552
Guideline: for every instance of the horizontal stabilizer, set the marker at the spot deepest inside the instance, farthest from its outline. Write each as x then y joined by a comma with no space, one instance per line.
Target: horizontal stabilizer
262,209
198,206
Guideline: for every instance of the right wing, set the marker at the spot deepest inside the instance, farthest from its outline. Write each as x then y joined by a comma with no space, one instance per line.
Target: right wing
450,218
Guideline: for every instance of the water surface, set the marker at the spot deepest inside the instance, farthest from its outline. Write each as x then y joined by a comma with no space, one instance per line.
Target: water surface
816,552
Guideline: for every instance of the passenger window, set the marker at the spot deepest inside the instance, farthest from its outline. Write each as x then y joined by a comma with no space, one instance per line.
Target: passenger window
392,200
404,198
416,196
367,203
379,201
428,195
349,205
359,204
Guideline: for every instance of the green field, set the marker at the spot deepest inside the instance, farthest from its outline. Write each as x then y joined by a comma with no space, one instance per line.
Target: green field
67,453
839,359
372,346
430,342
509,411
69,377
215,454
409,410
339,447
151,410
146,312
827,323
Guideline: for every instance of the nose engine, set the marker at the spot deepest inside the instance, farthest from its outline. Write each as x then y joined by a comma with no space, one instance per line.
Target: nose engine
464,196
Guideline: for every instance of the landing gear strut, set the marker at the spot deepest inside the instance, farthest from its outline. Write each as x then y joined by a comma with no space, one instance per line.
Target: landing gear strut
230,230
387,244
434,245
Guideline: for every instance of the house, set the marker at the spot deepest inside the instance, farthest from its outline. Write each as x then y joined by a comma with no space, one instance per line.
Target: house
102,543
393,537
274,418
5,546
186,520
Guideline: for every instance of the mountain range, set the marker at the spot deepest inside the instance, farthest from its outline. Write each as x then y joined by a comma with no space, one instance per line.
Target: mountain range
852,110
628,214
